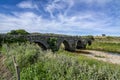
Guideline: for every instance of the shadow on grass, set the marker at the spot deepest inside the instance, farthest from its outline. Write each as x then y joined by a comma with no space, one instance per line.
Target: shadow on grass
82,51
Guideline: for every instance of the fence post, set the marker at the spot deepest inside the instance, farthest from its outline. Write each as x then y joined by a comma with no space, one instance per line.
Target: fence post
16,68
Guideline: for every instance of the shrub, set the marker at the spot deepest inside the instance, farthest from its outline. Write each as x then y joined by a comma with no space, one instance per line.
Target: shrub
25,53
11,39
38,65
52,43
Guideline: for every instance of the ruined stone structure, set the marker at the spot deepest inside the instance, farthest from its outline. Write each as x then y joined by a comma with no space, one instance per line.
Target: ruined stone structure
71,43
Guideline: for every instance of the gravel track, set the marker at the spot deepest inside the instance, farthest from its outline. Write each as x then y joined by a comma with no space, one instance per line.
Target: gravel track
103,56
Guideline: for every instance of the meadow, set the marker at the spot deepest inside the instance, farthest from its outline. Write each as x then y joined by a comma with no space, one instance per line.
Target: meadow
109,44
36,64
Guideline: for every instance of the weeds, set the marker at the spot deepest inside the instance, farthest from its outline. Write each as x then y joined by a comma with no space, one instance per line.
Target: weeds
36,64
105,46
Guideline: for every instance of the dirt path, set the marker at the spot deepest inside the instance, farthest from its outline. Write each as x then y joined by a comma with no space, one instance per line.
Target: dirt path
5,74
103,56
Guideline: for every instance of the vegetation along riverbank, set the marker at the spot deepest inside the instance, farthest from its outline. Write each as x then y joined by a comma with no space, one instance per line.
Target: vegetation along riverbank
36,64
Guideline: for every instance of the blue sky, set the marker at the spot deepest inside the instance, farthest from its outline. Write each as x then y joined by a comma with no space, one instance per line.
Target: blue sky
72,17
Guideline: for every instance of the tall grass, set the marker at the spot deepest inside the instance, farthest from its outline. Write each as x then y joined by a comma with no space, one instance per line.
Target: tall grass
36,64
105,46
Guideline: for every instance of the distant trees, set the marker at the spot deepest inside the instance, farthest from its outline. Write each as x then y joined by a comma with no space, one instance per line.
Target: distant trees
10,38
103,35
18,32
13,39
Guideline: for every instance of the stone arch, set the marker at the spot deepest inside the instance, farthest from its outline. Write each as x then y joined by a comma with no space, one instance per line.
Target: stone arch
79,44
41,44
89,42
66,45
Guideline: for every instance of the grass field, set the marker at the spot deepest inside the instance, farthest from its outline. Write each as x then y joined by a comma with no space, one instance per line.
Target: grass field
36,64
109,44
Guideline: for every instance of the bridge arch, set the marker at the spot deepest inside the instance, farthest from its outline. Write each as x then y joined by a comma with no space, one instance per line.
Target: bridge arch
89,42
66,45
41,44
79,44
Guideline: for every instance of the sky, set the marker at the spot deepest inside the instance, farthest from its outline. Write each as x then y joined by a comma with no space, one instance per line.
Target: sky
71,17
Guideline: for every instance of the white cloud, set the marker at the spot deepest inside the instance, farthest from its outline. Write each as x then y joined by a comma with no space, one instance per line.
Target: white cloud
82,21
59,5
101,2
62,24
27,4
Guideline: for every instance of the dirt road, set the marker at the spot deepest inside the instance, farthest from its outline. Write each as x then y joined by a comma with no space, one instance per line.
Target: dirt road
103,56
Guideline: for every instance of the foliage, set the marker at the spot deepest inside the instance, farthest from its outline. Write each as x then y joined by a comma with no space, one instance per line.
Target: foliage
109,44
107,39
11,39
62,66
52,43
103,34
18,32
1,39
89,37
25,53
104,46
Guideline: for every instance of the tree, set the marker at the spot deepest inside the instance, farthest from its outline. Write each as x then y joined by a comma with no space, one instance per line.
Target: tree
18,32
103,35
90,37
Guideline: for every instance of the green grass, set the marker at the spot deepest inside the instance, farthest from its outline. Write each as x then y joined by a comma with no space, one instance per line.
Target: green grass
108,39
108,44
105,46
99,56
36,64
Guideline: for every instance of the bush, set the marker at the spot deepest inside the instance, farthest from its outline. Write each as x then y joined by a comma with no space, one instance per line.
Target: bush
1,39
25,53
38,65
62,67
90,37
52,43
11,39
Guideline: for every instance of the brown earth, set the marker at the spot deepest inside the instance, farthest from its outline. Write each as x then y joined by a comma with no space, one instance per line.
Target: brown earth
5,74
100,55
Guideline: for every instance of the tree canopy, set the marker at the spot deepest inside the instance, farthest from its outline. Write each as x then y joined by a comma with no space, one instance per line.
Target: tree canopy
18,32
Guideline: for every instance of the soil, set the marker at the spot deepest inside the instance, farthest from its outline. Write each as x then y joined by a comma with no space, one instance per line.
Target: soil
5,74
103,56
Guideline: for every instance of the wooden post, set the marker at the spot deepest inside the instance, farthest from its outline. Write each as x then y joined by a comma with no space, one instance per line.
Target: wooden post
16,68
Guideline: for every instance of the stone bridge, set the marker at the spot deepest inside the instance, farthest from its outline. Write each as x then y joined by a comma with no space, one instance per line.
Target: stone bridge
71,43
